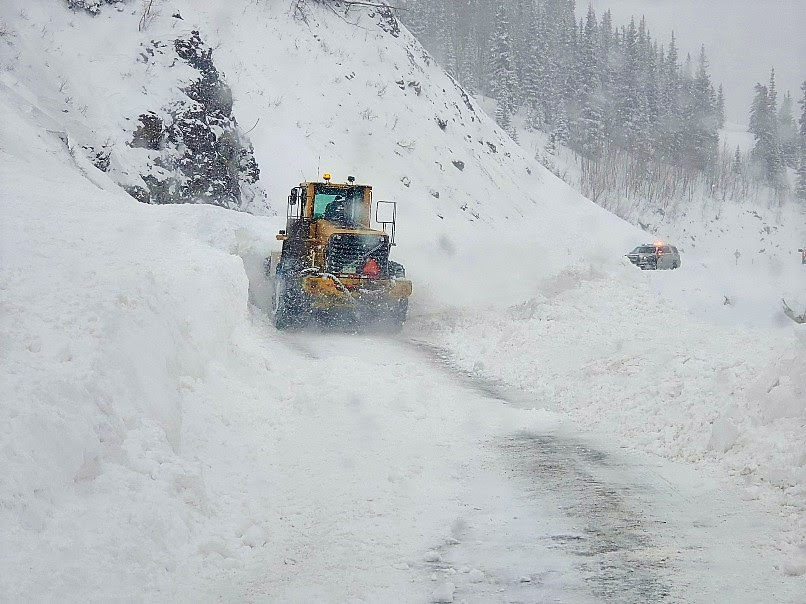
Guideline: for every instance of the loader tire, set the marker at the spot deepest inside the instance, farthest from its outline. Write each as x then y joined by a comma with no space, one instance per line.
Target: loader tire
290,309
395,317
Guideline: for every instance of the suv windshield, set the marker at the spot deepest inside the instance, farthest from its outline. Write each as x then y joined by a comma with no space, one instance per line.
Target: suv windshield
341,205
644,249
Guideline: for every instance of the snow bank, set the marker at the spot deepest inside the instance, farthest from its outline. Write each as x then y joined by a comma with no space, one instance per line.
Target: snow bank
623,360
110,309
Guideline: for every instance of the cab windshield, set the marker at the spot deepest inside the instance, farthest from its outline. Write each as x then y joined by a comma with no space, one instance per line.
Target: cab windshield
343,206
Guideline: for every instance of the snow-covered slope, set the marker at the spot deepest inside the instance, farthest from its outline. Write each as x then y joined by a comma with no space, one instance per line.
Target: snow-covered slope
323,93
159,438
729,246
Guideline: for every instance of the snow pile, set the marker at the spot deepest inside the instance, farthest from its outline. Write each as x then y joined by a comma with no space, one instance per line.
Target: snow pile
110,311
778,403
621,360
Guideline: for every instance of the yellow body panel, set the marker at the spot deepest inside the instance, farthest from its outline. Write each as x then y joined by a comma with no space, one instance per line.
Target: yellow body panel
328,291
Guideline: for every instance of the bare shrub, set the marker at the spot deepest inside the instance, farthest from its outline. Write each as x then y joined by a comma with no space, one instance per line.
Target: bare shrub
148,13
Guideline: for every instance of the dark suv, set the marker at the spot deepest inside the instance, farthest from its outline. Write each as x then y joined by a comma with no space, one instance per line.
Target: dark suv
655,256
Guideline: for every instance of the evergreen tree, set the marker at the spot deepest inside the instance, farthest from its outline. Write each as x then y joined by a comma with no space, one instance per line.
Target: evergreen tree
772,93
551,147
759,113
561,131
788,132
687,72
417,19
560,14
450,36
802,120
588,128
720,107
606,34
701,122
800,183
672,136
504,118
736,167
466,44
503,82
532,65
766,152
630,111
607,71
652,91
550,77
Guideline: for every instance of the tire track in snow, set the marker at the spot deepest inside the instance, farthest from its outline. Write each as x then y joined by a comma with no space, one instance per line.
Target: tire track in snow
489,388
617,554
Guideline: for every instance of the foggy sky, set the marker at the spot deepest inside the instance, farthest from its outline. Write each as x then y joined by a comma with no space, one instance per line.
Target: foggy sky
743,39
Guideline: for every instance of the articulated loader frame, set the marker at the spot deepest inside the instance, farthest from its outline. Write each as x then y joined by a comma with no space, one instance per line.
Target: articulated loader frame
334,268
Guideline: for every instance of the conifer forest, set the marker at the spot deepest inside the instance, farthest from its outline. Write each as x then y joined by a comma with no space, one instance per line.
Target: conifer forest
641,117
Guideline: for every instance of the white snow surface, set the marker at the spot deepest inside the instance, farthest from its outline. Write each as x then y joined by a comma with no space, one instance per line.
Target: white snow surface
161,442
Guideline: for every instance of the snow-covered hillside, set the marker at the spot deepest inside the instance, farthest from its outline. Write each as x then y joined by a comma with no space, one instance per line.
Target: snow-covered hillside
324,93
161,442
729,245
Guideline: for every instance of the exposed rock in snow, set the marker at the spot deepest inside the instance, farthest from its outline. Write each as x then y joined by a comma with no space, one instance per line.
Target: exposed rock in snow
723,435
255,536
433,556
796,567
198,152
476,576
444,593
93,7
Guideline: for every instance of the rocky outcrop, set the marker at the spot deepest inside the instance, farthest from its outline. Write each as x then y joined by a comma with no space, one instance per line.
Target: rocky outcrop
198,152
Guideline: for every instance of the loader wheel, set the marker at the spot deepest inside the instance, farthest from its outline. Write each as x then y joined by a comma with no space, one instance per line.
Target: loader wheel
395,317
289,306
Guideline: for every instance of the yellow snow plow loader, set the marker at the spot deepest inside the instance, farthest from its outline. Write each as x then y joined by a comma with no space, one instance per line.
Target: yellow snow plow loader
333,265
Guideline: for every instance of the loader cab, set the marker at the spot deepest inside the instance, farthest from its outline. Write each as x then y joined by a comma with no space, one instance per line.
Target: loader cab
319,210
343,205
334,260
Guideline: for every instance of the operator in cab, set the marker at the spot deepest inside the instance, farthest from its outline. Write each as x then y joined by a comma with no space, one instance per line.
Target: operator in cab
345,210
